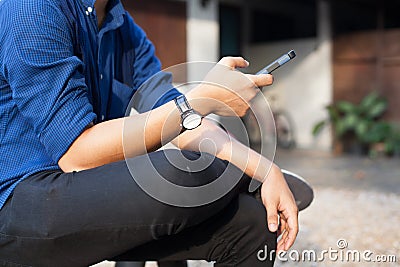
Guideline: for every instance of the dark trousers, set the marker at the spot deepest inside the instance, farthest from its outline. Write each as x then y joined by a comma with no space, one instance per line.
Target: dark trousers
81,218
142,264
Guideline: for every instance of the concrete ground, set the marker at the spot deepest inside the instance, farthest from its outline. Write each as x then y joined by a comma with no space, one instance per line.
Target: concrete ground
357,203
355,217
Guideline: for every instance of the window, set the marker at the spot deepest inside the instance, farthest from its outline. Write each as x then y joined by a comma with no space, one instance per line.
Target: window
353,16
230,29
391,14
284,19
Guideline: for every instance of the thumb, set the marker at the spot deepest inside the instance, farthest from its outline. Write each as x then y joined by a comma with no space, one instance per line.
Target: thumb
234,62
272,217
261,79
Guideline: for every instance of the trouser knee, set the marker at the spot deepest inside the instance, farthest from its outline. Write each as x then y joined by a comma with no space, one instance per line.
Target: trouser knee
196,185
249,239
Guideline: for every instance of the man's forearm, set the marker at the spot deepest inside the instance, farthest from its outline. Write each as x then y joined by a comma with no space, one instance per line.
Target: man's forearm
129,137
212,139
114,140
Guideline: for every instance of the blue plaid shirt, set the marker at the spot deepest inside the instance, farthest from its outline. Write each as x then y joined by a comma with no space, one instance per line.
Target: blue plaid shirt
59,73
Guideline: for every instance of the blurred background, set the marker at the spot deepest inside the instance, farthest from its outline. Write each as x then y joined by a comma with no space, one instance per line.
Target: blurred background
336,104
346,49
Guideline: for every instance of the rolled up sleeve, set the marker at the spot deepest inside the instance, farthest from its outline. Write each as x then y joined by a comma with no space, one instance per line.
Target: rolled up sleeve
44,75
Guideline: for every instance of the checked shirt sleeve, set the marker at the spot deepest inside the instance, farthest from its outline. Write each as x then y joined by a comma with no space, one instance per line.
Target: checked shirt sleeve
45,77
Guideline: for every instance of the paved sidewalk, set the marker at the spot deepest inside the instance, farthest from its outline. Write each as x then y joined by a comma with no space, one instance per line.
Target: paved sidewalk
344,172
357,201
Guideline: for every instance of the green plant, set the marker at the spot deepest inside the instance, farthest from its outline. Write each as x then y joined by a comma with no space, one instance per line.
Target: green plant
383,137
361,123
392,142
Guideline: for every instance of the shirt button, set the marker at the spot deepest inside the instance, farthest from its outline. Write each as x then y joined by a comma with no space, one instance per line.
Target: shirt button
102,117
101,76
89,10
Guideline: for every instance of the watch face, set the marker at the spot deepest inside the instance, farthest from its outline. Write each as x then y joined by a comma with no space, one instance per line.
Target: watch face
191,121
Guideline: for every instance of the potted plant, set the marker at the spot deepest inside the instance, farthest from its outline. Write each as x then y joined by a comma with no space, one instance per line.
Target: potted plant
392,142
353,123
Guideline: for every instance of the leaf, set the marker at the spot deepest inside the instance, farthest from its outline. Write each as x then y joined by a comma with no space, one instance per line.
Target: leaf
346,107
377,110
361,129
368,101
333,113
318,127
340,128
390,147
378,132
350,121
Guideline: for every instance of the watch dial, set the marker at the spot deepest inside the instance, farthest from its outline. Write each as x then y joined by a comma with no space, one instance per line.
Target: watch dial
192,121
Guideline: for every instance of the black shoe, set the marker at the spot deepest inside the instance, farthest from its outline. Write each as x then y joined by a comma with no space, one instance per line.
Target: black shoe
301,190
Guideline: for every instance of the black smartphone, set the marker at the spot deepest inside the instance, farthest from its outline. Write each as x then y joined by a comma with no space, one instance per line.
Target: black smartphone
278,62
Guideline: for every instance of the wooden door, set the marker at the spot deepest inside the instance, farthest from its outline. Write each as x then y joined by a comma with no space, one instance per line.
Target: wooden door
165,25
366,52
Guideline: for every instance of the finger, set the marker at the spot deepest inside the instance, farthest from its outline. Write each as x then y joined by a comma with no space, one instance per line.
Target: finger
284,235
293,226
234,62
261,79
281,243
283,238
272,216
282,225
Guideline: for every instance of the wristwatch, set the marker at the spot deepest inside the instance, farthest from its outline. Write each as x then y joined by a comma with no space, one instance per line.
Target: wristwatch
190,119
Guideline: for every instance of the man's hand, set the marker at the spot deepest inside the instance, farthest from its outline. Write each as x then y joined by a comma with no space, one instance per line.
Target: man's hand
275,193
279,200
225,91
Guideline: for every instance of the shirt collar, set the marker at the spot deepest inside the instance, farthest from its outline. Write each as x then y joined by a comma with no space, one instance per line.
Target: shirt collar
115,16
115,9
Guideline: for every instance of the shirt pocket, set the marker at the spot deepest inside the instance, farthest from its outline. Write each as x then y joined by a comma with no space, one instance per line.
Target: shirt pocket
120,98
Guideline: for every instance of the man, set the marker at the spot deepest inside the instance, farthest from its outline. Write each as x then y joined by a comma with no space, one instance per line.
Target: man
67,71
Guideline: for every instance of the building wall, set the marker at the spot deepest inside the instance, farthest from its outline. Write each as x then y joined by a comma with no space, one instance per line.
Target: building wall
303,87
368,61
202,33
165,25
